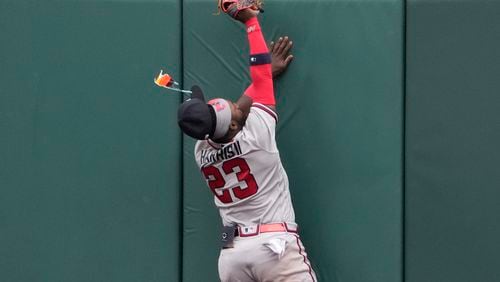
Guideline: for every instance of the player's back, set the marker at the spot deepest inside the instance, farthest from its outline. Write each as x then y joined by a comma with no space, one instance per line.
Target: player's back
247,178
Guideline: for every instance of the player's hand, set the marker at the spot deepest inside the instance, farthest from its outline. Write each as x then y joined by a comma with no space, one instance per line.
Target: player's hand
280,55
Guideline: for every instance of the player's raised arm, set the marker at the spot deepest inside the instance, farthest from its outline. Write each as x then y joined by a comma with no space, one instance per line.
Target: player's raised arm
265,64
261,88
280,60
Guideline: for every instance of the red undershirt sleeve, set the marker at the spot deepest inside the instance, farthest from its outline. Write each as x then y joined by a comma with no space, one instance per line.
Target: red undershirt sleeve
261,90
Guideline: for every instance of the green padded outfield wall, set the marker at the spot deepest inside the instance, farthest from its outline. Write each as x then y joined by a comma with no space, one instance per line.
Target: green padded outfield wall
89,153
453,135
340,130
92,164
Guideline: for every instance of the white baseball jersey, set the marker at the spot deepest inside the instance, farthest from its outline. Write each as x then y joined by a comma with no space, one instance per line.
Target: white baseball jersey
247,178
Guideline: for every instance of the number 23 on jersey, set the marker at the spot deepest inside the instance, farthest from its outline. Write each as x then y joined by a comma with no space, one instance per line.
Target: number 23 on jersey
216,180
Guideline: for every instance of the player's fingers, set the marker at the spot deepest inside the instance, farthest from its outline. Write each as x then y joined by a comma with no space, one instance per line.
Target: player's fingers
271,46
277,45
282,45
288,59
287,48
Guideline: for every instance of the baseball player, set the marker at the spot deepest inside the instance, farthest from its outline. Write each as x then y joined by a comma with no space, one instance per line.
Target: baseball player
238,157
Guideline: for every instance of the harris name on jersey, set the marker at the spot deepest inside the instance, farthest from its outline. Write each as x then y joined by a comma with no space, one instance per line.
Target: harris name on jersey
212,156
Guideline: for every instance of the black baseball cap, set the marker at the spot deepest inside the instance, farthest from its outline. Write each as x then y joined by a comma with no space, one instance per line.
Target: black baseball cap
195,117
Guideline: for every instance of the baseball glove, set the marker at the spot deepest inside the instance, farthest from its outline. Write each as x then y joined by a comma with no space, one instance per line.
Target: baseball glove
233,7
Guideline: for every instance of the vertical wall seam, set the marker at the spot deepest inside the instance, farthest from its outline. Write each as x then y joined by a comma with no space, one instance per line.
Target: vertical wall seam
181,153
403,191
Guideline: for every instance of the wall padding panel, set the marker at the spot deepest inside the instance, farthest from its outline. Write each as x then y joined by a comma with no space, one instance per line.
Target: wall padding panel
453,132
89,173
340,130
